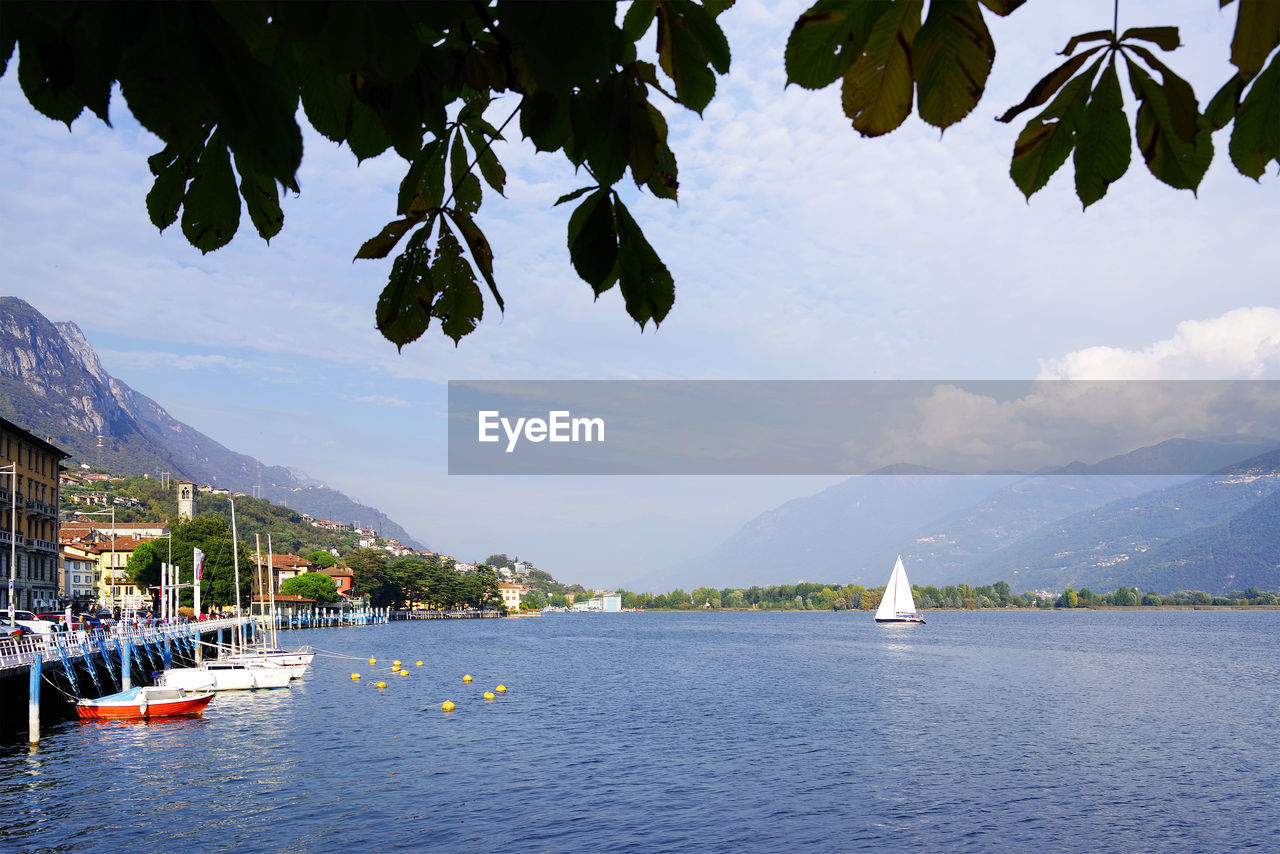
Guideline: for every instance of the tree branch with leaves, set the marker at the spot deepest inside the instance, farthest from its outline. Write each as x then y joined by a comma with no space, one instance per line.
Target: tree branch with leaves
224,84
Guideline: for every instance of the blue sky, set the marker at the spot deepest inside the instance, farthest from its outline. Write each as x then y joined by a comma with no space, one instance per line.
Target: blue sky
799,249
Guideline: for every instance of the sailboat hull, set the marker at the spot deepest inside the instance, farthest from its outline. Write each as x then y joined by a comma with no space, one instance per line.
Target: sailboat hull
900,620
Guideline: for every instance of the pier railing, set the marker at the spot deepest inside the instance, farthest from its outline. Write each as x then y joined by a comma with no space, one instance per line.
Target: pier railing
20,652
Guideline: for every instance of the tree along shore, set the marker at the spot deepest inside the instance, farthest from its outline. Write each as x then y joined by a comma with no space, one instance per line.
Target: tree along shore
826,597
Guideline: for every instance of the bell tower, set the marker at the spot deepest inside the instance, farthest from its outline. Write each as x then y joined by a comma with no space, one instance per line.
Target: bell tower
186,499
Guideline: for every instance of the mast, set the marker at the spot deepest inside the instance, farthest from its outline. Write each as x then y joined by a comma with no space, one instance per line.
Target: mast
271,587
257,560
235,559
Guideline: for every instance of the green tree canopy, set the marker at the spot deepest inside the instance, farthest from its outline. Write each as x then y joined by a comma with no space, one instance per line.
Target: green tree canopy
311,585
223,85
211,534
322,558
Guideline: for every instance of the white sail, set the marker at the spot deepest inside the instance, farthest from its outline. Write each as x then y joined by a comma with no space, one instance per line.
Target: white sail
897,599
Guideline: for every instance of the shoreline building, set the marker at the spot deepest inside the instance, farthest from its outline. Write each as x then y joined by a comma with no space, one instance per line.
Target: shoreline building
29,489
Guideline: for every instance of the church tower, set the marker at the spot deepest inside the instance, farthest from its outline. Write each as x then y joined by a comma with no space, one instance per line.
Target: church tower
186,499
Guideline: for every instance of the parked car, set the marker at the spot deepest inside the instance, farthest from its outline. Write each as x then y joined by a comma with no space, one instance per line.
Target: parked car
90,622
28,620
60,621
10,630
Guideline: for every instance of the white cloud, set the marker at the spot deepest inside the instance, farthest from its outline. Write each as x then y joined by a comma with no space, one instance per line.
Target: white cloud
153,359
1241,344
383,400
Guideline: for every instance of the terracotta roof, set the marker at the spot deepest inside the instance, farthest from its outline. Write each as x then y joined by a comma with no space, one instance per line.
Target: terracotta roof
283,561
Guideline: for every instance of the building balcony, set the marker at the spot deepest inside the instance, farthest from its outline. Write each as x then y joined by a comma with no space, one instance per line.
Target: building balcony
43,545
40,508
5,537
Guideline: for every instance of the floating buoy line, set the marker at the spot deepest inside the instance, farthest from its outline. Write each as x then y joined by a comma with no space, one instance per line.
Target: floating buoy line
398,666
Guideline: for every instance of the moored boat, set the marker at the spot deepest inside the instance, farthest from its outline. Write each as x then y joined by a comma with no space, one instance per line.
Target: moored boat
144,703
296,661
227,676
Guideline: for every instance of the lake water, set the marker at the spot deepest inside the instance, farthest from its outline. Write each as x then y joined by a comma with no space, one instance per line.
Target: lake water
1114,731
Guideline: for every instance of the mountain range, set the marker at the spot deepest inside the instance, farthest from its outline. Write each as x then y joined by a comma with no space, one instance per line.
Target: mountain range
1080,525
53,385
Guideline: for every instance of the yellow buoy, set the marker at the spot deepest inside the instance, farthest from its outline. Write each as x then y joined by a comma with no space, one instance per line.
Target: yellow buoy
447,705
466,678
373,661
355,675
404,672
501,689
396,663
382,684
488,695
395,666
419,663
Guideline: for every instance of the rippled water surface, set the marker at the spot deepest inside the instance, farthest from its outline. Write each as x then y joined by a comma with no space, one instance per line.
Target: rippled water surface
1125,731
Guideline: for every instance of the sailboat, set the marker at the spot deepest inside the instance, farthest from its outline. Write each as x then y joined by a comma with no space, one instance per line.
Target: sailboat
297,660
229,675
897,605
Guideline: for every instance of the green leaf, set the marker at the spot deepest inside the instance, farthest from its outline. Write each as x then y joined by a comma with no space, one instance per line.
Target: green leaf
1222,107
1166,38
211,208
568,197
951,58
494,175
683,54
706,31
1095,36
467,192
481,252
559,46
326,97
1049,137
381,244
878,87
261,199
827,38
647,287
1169,157
1184,111
1257,34
600,123
544,119
1102,139
1002,7
38,65
1255,139
8,39
424,180
366,135
459,303
593,241
404,307
172,170
638,19
664,182
1049,84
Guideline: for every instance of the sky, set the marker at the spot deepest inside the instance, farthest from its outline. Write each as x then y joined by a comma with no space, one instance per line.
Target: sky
800,250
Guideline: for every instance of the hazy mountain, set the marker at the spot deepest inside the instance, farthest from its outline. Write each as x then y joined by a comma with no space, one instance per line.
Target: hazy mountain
1133,542
52,383
846,532
974,529
1240,552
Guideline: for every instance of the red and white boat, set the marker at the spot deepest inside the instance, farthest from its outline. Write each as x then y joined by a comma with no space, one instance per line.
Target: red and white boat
145,702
